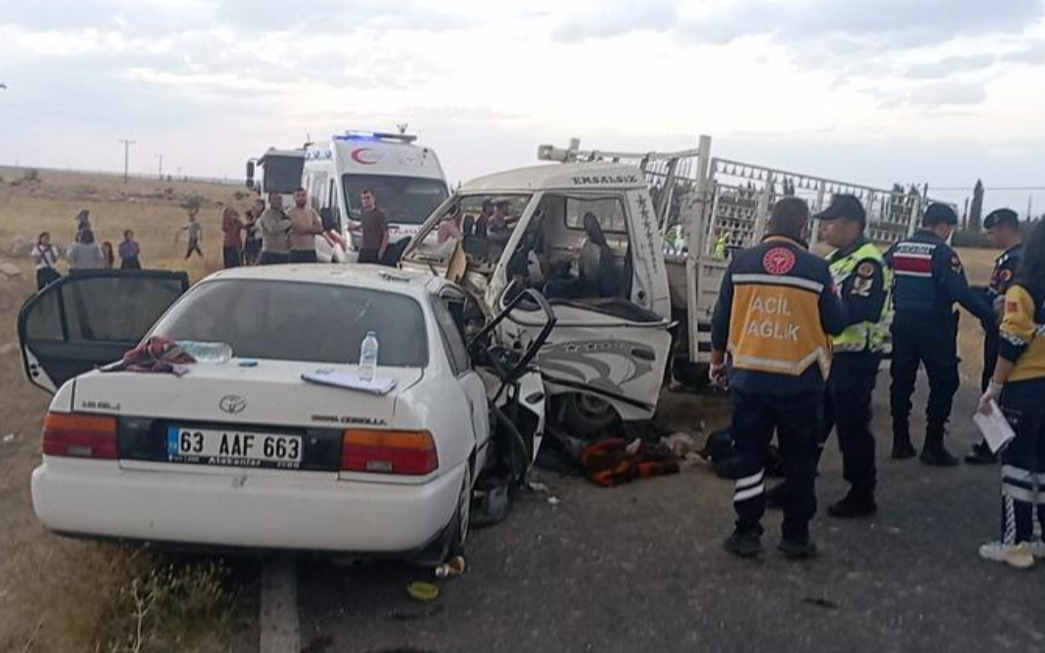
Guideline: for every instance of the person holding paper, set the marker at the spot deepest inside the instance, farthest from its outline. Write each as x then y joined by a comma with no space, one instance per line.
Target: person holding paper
1018,385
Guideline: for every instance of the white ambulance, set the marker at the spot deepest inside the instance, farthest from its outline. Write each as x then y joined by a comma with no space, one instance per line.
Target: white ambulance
405,178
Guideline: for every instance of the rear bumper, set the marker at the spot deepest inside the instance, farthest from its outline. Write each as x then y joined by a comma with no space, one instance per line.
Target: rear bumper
99,499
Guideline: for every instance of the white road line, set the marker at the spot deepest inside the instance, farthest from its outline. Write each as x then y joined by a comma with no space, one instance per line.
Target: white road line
278,618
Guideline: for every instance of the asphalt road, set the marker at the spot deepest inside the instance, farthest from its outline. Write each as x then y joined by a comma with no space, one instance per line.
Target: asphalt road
641,568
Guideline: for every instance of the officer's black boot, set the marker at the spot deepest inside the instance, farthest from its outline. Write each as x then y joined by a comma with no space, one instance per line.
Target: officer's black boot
981,455
934,453
902,447
857,503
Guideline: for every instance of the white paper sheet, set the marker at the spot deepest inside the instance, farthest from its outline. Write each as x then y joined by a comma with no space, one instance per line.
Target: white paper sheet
994,427
378,386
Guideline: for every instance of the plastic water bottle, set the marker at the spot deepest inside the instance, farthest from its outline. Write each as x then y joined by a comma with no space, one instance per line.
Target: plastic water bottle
207,352
368,357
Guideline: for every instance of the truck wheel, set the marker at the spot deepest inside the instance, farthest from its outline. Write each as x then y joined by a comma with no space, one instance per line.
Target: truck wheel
690,375
586,417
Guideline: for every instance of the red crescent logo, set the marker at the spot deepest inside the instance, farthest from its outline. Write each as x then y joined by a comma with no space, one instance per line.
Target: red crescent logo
778,261
364,156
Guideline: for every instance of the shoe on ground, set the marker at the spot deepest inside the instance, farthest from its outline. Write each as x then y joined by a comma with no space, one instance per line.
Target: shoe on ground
775,496
938,457
1037,549
853,506
798,549
1014,555
903,451
743,544
981,455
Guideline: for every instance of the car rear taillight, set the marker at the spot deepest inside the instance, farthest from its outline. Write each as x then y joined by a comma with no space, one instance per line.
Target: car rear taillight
388,452
80,436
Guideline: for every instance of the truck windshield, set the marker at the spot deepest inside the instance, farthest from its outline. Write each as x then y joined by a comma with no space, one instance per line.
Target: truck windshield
405,200
483,223
293,321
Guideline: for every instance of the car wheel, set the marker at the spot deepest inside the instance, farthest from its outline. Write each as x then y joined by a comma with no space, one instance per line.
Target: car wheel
462,520
586,417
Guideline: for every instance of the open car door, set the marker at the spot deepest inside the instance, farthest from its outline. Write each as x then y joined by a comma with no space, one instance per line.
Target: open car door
88,319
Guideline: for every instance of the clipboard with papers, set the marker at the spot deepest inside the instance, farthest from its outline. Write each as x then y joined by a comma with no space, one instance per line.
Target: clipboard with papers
995,428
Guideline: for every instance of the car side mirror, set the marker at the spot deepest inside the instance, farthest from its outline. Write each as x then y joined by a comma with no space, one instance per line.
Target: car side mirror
326,216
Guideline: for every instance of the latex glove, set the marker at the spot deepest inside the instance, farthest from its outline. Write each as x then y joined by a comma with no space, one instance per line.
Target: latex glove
718,375
991,394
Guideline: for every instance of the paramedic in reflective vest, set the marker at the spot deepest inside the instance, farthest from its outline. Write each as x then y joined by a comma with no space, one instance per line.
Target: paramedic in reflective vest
859,273
1018,385
775,316
928,280
1003,229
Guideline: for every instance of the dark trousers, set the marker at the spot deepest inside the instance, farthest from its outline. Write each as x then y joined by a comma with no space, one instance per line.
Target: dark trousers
1023,461
932,343
990,358
45,277
368,256
273,258
130,263
303,256
230,255
847,408
194,246
798,423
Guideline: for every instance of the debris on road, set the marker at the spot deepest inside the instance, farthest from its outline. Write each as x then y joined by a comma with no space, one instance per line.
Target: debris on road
615,461
423,591
10,437
820,602
453,567
554,501
10,269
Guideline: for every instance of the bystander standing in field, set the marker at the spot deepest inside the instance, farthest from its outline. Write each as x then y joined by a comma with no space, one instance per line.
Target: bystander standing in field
274,226
108,256
252,246
232,247
195,230
46,256
83,221
1018,385
375,230
85,254
305,225
129,252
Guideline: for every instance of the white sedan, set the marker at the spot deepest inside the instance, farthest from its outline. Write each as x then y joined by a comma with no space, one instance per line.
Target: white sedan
245,452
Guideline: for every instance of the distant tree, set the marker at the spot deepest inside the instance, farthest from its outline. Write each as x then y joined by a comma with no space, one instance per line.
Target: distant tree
976,209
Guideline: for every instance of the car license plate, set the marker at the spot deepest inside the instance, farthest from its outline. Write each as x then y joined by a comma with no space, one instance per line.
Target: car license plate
233,448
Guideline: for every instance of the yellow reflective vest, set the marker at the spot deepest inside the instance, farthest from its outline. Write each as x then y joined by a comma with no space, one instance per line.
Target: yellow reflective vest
862,335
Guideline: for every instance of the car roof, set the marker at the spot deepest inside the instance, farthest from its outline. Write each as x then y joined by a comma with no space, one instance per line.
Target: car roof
374,277
560,176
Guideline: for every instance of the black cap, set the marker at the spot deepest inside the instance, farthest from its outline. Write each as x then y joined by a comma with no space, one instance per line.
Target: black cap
1001,216
843,205
938,213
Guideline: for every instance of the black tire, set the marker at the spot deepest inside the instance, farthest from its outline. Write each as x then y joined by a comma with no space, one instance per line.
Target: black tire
587,417
461,523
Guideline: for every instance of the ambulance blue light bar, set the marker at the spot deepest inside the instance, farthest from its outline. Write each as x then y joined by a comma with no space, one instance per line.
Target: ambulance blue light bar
354,135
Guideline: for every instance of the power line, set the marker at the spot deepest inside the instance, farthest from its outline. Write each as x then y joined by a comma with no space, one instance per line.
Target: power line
126,155
160,157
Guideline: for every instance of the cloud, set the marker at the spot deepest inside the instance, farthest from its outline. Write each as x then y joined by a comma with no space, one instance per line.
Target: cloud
616,18
1033,54
950,66
886,23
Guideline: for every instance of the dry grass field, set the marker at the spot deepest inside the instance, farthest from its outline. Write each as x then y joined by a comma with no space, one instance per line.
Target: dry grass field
62,595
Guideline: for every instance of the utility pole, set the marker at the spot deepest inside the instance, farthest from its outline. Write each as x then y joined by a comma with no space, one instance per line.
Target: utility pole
160,157
126,155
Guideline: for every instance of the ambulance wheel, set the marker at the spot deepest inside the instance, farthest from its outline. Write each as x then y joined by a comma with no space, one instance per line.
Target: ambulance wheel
586,417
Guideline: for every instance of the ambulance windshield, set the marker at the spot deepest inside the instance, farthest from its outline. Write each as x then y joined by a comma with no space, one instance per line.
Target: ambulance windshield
404,200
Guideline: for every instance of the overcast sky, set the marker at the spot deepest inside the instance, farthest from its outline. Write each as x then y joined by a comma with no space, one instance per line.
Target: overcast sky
937,91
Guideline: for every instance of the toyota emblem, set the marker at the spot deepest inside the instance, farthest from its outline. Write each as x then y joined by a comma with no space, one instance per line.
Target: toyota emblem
232,404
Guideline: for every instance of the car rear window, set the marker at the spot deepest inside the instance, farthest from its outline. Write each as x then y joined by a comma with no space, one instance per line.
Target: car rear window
285,320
